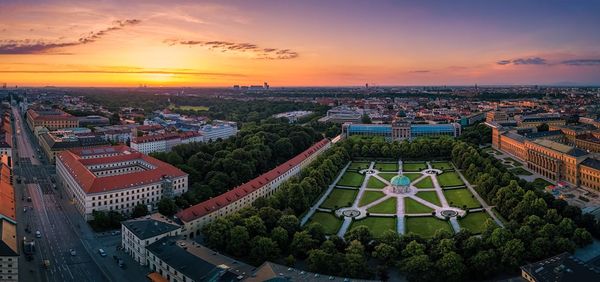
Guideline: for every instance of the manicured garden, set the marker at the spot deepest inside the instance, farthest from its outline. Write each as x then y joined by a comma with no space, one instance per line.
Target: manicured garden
369,197
461,197
412,176
375,183
450,178
359,165
340,198
430,196
381,166
474,222
425,183
426,226
331,224
388,207
350,178
387,176
413,166
376,224
411,206
441,165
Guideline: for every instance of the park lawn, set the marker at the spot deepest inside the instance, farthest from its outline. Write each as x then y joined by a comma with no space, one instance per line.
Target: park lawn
331,224
359,165
376,224
393,167
426,182
474,222
339,198
351,178
441,165
520,171
375,183
388,206
387,176
414,167
189,108
430,196
449,179
426,226
369,197
460,197
515,162
411,207
412,176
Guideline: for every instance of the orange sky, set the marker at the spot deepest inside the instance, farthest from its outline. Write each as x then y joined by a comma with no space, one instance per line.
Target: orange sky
291,43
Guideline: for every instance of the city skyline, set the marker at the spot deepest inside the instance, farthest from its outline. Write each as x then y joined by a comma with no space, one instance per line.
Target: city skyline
290,43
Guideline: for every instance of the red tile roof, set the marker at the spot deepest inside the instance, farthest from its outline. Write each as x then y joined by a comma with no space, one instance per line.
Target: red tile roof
7,192
241,191
90,183
50,115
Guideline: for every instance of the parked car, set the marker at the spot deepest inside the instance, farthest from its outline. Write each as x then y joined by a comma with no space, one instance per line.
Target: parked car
72,252
38,234
102,252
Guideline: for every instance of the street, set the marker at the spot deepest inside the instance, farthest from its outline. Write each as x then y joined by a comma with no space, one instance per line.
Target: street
43,212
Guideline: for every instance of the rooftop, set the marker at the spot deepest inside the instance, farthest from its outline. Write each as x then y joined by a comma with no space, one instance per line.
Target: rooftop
148,227
593,163
77,162
563,267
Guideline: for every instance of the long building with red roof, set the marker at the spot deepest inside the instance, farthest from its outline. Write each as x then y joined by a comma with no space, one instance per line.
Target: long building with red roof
244,195
9,249
116,178
52,119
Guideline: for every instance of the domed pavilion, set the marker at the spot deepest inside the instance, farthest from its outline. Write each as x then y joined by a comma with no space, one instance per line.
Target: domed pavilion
400,184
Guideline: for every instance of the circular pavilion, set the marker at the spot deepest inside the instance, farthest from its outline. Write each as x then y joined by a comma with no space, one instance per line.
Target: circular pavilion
400,184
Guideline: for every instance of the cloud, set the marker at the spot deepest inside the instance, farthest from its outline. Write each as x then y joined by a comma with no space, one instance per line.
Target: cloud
226,46
30,46
523,61
582,62
420,71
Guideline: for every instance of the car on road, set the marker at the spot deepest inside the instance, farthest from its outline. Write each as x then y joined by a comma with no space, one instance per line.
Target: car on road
115,233
102,252
72,252
38,234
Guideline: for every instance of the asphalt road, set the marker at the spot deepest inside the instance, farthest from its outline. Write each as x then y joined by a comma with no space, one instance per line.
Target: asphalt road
45,214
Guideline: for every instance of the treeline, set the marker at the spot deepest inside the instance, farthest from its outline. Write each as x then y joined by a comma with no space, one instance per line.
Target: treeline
477,134
216,167
420,148
538,225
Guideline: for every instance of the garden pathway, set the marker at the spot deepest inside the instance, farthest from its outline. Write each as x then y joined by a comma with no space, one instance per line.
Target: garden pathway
314,208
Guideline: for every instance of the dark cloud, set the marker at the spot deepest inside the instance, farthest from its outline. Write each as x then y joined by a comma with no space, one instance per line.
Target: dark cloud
582,62
523,61
30,46
226,46
420,71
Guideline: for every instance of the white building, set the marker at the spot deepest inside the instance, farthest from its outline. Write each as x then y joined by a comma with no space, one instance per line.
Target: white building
222,130
137,234
164,142
116,179
244,195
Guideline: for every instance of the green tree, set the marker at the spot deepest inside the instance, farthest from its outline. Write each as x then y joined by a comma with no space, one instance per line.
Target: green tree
451,266
139,210
255,226
281,237
263,249
167,207
360,233
582,237
238,241
385,253
302,243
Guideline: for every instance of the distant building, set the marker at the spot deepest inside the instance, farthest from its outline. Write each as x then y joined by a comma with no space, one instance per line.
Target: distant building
292,117
342,115
116,178
93,120
244,195
563,267
164,142
401,130
496,116
472,118
539,119
221,130
52,119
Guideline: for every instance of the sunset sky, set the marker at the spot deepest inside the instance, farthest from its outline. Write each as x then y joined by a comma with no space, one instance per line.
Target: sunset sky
298,43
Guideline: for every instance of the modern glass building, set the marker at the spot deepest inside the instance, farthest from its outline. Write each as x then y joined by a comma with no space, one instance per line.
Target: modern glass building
389,131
